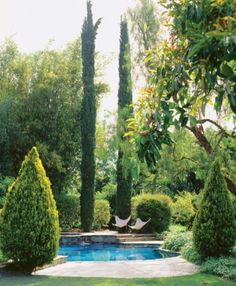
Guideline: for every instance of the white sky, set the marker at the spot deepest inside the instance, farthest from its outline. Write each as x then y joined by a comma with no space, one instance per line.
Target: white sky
32,23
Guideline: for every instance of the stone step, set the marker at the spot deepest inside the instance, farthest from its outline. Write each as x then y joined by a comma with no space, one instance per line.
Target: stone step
129,239
121,235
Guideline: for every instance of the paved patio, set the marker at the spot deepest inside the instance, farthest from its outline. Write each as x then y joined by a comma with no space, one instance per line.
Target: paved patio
175,266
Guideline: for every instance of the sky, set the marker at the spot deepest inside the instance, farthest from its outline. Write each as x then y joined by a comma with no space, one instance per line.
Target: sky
33,23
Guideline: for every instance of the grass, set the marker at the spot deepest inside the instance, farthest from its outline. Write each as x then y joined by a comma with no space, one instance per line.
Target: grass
193,280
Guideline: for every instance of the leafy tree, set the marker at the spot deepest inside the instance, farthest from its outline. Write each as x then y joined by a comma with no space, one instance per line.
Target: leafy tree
187,72
145,26
124,177
106,154
88,120
30,226
40,98
214,230
40,103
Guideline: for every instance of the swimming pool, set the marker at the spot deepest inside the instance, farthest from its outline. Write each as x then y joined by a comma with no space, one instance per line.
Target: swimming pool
112,252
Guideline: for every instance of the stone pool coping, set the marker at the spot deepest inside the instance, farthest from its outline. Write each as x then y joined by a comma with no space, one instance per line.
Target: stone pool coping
166,267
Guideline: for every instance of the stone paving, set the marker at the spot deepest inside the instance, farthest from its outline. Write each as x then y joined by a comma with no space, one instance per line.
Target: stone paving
174,266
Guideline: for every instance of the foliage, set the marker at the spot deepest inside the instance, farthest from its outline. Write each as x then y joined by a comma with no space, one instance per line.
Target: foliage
5,182
183,211
189,253
30,226
156,207
182,167
145,196
214,229
145,26
123,173
101,213
234,205
68,206
195,67
88,120
106,154
40,98
222,266
2,258
176,240
108,193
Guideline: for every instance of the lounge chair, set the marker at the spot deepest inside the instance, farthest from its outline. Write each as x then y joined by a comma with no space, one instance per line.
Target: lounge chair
139,224
121,222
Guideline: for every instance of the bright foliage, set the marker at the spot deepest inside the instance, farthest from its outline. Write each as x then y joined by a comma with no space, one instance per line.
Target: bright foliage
30,226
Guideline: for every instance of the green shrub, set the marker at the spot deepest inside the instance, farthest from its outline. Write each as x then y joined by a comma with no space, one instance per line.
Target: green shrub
101,213
5,183
176,240
69,210
234,205
214,229
221,266
189,253
139,198
30,226
108,193
183,211
156,207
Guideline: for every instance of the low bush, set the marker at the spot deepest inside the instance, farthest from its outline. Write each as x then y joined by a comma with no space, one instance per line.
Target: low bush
2,258
221,266
69,210
108,193
183,211
176,240
156,207
189,253
101,214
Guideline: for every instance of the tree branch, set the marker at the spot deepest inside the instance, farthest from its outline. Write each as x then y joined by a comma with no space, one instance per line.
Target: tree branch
182,158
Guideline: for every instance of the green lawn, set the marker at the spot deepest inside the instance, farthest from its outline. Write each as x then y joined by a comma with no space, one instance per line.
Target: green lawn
194,280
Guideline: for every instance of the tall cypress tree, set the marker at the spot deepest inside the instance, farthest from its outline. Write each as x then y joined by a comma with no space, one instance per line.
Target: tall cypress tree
88,120
124,178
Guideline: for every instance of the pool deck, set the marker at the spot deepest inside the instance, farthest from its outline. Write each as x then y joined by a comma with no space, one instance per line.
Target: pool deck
174,266
165,267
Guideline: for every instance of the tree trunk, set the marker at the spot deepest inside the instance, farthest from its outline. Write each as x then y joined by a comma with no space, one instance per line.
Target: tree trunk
198,132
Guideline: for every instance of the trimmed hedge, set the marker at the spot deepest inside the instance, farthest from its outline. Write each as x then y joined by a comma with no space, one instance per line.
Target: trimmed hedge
156,207
69,210
30,227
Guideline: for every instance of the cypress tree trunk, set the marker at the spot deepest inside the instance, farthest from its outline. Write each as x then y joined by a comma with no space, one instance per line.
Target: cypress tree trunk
88,120
124,178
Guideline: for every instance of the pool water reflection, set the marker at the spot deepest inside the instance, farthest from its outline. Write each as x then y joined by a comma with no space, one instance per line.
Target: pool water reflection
111,252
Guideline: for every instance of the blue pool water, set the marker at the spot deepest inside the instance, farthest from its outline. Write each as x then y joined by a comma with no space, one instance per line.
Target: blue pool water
111,252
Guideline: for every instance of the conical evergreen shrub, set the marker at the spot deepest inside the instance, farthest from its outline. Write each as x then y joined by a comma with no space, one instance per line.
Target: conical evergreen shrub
214,229
30,227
